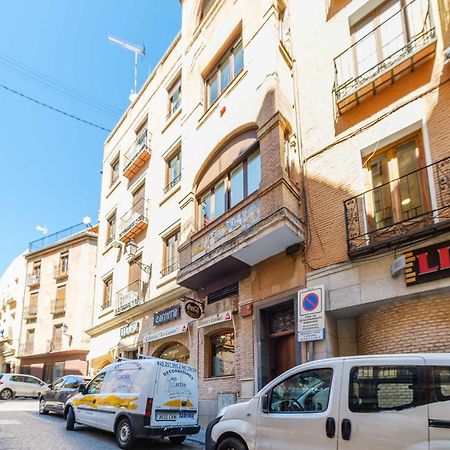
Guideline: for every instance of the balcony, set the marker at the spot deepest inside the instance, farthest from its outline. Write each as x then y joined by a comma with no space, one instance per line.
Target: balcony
169,268
60,273
58,308
381,57
138,155
26,349
253,231
388,214
54,345
30,312
33,280
131,296
134,221
173,183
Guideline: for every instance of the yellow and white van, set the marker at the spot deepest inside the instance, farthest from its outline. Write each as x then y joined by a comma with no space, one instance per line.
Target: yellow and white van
385,402
139,398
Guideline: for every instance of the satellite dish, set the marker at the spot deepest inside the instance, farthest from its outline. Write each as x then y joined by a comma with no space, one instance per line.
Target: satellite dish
86,220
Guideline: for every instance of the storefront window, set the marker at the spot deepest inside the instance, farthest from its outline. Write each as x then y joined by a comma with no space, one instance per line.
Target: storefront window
175,352
222,354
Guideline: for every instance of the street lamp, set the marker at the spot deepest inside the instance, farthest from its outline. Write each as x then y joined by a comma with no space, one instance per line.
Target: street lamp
131,249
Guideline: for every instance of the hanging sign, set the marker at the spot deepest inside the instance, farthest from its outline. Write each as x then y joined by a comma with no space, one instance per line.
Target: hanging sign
150,337
311,317
193,310
216,318
166,315
128,330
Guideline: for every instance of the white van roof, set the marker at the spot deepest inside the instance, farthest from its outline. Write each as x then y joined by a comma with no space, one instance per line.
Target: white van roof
147,362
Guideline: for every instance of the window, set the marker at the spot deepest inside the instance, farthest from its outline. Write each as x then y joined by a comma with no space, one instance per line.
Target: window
399,188
107,292
114,172
31,380
96,384
230,190
305,392
173,171
231,64
171,253
57,338
64,262
72,383
175,352
58,384
222,354
29,341
111,229
175,97
60,301
37,269
442,383
383,388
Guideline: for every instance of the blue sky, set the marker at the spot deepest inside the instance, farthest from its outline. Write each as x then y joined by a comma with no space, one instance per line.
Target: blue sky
50,163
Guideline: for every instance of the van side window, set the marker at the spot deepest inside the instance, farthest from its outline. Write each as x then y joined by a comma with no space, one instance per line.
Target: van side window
96,384
307,392
442,383
383,388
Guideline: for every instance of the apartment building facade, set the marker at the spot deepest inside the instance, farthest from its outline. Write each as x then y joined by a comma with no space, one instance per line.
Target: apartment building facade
200,229
12,286
374,101
58,303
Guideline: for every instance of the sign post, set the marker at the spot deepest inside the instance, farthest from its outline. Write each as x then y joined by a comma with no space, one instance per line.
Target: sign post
311,315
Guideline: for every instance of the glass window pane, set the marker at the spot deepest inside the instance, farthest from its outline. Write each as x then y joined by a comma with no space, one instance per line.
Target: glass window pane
253,172
391,29
219,199
238,59
307,391
442,383
174,168
381,194
225,75
237,186
205,209
365,48
222,354
212,90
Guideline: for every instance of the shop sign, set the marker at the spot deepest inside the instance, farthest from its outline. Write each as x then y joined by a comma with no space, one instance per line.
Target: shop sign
311,317
216,318
150,337
128,330
427,263
166,315
193,310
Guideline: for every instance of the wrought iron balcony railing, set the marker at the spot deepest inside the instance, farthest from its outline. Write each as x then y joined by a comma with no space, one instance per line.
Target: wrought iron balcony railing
60,272
30,312
135,158
393,41
56,237
399,209
171,267
129,297
173,183
58,308
134,220
106,304
33,280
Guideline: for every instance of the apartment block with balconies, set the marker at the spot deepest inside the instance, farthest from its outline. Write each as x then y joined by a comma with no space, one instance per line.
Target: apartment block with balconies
377,170
57,303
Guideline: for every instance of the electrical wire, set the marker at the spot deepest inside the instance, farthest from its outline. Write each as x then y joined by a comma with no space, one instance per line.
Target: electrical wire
53,108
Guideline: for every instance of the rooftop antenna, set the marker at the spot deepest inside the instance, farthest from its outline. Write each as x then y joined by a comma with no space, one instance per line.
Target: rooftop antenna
42,229
137,51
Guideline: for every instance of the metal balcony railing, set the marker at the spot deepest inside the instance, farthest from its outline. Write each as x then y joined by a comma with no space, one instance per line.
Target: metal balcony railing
173,183
397,209
130,296
56,237
60,272
54,345
30,312
395,39
171,267
58,307
26,349
33,280
105,305
136,216
142,144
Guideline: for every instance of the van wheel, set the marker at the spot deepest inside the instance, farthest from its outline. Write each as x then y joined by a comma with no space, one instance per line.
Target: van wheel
70,421
231,443
124,434
42,406
6,394
177,439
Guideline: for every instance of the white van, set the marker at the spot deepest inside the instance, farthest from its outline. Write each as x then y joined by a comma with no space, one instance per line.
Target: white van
386,402
139,398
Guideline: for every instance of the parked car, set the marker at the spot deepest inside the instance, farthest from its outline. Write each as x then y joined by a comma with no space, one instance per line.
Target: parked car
137,399
18,385
385,402
60,391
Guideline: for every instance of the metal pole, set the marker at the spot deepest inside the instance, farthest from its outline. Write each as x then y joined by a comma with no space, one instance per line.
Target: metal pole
135,72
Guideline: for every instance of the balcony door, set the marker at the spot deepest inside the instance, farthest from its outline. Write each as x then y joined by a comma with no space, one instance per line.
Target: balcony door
399,187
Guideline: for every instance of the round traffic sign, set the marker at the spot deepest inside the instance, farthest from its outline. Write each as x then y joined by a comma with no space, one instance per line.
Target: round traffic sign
310,302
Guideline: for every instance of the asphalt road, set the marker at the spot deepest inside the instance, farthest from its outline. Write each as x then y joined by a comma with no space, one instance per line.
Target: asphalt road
22,428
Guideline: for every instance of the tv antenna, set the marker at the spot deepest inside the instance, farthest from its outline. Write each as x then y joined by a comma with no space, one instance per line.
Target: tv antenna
137,51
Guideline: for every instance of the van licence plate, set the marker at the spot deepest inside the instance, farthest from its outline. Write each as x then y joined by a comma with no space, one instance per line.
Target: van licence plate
187,415
166,416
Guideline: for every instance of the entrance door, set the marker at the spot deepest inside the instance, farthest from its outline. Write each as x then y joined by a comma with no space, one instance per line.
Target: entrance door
383,405
283,353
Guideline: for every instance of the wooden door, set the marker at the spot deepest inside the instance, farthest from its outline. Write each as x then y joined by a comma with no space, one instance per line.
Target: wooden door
283,353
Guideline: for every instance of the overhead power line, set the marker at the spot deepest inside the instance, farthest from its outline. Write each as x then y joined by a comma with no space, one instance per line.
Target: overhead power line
53,108
51,83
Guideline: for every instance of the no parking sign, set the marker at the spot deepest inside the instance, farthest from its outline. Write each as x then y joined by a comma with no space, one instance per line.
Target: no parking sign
311,317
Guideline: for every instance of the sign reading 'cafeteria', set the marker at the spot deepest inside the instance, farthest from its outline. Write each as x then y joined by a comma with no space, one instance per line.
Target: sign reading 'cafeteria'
166,315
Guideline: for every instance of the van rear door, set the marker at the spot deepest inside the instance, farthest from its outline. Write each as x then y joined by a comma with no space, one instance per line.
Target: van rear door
383,404
176,395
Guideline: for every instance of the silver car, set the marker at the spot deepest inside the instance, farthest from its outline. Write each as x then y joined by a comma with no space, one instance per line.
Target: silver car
17,385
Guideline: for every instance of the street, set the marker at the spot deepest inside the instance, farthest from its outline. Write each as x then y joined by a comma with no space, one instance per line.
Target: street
22,428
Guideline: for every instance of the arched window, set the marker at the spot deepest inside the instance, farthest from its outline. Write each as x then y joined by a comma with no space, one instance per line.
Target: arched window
175,352
222,354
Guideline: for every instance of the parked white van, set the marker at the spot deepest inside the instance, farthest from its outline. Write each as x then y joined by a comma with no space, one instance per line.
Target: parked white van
139,398
386,402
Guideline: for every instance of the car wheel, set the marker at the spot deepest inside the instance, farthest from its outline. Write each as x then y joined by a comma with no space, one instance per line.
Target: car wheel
177,439
231,443
42,406
124,434
6,394
70,420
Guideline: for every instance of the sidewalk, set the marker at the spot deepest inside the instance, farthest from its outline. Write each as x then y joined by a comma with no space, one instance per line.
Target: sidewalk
198,438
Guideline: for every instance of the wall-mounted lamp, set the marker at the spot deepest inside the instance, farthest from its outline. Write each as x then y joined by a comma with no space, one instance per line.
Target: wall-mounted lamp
64,329
131,249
